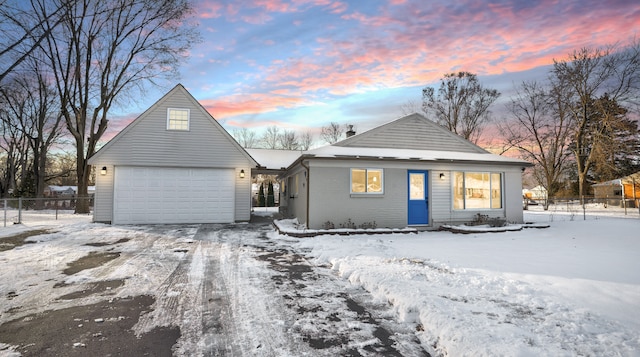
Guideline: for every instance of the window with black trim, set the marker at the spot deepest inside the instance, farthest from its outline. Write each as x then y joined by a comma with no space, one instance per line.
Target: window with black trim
367,181
177,119
477,190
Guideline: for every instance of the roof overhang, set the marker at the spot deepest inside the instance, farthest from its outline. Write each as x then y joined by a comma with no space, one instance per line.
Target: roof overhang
487,161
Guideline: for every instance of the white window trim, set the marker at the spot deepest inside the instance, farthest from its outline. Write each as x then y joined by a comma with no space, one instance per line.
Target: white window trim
188,119
366,171
464,189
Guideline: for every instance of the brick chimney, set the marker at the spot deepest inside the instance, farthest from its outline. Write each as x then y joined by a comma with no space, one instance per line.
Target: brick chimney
350,132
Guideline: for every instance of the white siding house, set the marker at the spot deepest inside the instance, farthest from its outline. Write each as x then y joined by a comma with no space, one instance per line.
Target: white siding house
409,172
173,164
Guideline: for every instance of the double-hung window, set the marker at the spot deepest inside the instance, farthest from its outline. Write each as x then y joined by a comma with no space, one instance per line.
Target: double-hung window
477,190
177,119
367,181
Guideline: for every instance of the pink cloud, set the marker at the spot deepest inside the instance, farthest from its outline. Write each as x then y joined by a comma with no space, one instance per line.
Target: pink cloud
338,7
411,44
242,104
274,5
209,10
257,19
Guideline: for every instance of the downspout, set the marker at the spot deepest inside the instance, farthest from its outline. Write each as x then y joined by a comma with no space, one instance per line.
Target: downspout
307,179
624,199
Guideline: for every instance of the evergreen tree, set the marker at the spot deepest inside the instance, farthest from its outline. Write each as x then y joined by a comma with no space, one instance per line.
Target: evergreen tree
261,200
270,197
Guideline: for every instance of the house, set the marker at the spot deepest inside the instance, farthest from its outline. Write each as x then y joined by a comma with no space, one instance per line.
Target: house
65,191
619,191
176,164
409,172
173,164
535,194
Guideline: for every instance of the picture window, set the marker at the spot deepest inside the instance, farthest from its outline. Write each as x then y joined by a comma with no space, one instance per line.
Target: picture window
477,190
368,181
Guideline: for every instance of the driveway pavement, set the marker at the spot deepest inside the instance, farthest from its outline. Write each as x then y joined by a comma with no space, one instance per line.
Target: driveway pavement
208,290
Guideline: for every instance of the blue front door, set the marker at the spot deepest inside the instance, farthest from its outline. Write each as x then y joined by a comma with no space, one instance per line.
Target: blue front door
418,197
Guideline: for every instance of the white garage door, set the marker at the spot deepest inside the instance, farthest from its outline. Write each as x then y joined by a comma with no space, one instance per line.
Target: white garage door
173,195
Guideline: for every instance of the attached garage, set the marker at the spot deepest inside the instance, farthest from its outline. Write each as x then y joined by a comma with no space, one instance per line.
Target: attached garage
173,195
173,164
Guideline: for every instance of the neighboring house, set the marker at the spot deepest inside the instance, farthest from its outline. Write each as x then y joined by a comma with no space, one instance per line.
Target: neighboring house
536,193
65,191
173,164
409,172
612,192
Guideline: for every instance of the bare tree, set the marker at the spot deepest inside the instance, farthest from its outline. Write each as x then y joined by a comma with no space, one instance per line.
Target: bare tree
62,168
14,145
588,76
271,138
332,133
289,140
21,37
461,104
245,137
33,102
101,50
410,107
306,140
539,128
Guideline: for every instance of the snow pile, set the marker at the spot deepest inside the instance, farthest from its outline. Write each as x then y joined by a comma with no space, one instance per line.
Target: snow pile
572,289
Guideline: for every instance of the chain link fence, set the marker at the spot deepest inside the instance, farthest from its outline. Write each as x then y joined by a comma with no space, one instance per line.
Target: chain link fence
586,207
41,210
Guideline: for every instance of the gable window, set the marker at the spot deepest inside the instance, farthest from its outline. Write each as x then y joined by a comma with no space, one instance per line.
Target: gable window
366,181
177,119
477,190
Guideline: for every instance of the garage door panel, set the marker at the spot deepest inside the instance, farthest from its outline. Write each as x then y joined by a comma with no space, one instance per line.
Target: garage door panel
173,195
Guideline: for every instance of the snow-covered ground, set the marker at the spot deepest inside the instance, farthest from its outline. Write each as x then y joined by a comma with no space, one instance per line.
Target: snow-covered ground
571,289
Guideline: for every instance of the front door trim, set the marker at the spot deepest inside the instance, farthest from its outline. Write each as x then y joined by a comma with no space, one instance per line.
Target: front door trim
418,197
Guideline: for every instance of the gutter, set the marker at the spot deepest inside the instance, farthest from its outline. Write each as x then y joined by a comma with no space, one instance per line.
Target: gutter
416,159
308,176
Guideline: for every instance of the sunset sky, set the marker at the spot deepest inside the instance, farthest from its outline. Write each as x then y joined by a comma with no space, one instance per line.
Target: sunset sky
300,64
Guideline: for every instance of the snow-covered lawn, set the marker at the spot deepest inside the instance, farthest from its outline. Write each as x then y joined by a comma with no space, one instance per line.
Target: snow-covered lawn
571,289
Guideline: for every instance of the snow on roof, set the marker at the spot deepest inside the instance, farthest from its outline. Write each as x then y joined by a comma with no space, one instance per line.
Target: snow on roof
54,188
278,159
630,179
332,151
616,182
274,159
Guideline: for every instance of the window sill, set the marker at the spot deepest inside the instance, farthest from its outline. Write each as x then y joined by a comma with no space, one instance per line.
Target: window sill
477,209
367,195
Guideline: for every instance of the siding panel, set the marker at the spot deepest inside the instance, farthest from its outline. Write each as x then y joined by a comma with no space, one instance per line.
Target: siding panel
103,198
410,132
147,142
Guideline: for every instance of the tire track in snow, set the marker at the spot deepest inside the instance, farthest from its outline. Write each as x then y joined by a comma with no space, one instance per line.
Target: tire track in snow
171,297
217,314
237,320
332,316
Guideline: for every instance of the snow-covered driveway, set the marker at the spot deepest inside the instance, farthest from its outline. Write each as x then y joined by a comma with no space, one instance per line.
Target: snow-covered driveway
226,290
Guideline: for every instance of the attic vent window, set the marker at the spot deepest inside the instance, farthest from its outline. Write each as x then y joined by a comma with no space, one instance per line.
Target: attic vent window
177,119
